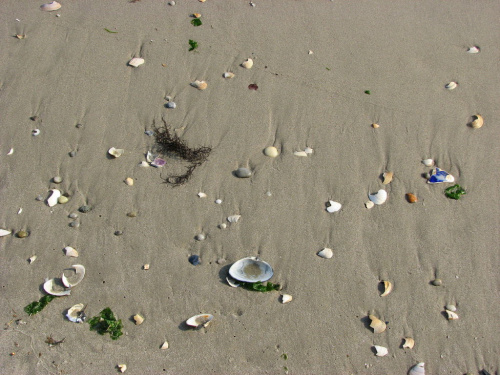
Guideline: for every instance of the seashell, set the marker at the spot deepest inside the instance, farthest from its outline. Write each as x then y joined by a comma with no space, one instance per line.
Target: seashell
271,151
418,369
387,288
378,325
4,232
247,64
300,153
19,211
411,198
22,234
57,180
473,49
243,173
452,308
164,346
228,75
387,177
375,126
49,7
136,61
369,204
201,320
437,176
308,150
223,226
451,315
79,275
380,350
428,162
62,199
437,282
409,343
218,201
11,151
326,253
200,237
122,367
379,197
200,85
76,313
233,218
232,282
171,105
21,36
202,195
144,164
145,267
35,132
70,252
333,206
150,157
138,319
116,152
251,270
32,259
310,52
158,162
451,85
51,287
52,201
477,121
129,181
285,298
196,15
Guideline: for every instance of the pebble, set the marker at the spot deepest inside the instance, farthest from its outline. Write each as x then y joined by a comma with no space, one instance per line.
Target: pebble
271,151
85,209
223,226
243,173
57,179
22,234
171,2
73,216
72,154
218,201
118,233
194,260
149,133
200,237
220,261
171,105
129,181
62,199
39,198
437,282
74,224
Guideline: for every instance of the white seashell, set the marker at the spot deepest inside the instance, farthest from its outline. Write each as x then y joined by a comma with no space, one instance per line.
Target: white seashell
136,61
451,85
228,75
232,282
200,85
247,64
333,206
310,52
379,197
418,369
122,367
79,275
201,320
19,211
145,267
369,204
138,319
451,315
49,7
300,153
202,195
116,152
271,151
477,121
378,325
308,150
200,237
32,259
35,132
387,177
285,298
150,157
251,270
70,252
473,49
428,162
144,164
164,346
218,201
452,308
233,218
50,287
325,253
409,343
381,350
11,151
387,288
223,226
52,201
4,232
75,313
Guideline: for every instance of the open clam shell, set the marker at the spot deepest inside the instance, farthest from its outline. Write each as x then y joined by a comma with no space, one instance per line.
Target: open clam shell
477,121
251,270
378,325
76,313
438,176
116,152
418,369
379,197
49,7
52,287
201,320
76,278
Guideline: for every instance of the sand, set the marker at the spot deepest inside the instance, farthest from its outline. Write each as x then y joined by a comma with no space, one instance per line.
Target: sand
69,70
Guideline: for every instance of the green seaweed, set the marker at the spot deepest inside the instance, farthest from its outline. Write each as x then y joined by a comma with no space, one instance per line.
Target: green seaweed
367,92
259,287
454,192
112,32
37,306
106,322
193,44
196,22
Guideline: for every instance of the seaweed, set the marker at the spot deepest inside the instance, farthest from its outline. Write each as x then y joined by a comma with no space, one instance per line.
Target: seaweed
196,22
106,322
37,306
193,44
454,192
259,287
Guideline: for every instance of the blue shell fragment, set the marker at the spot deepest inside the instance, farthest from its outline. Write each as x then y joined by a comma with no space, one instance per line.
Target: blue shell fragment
439,176
194,260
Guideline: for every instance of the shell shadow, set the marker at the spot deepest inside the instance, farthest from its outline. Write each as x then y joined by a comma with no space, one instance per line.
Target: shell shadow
223,273
366,321
381,289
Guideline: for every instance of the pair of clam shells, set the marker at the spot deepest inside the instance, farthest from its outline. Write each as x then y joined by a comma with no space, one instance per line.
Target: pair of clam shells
51,286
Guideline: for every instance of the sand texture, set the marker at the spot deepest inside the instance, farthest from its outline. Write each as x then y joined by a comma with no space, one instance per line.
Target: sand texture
69,70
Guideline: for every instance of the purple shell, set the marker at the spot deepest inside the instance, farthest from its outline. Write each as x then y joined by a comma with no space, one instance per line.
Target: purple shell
158,162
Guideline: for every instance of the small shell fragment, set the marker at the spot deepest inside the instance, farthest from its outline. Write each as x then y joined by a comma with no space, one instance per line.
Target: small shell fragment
129,181
451,308
369,204
308,150
233,218
116,152
4,232
380,350
202,195
79,275
200,237
49,7
387,177
473,49
247,64
387,288
138,319
54,196
285,298
75,313
136,61
477,121
201,320
70,252
409,343
451,85
122,367
196,15
418,369
326,253
375,126
271,151
379,197
300,153
32,259
452,315
223,226
145,267
333,206
232,282
411,198
11,151
200,85
228,75
428,162
218,201
164,346
378,325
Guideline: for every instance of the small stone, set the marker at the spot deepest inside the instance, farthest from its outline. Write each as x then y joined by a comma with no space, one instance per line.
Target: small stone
145,267
57,180
269,193
218,201
118,233
132,214
73,216
437,282
243,173
220,261
22,234
271,151
72,154
62,199
74,224
200,237
194,260
171,3
85,209
223,226
39,198
129,181
171,105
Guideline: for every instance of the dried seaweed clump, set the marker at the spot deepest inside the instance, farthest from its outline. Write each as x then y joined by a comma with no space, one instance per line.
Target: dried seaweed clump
168,143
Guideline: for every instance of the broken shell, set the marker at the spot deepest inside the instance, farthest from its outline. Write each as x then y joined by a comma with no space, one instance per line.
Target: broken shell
451,85
136,61
164,345
52,201
232,282
285,298
387,177
129,181
247,64
369,204
79,275
122,367
200,85
308,150
223,226
233,218
271,151
202,195
477,121
387,288
428,162
451,308
228,75
218,201
438,176
409,343
451,315
49,7
418,369
4,232
473,49
333,206
251,270
196,15
201,320
411,198
200,237
32,259
144,164
50,287
116,152
377,324
300,153
75,313
11,151
380,350
146,267
326,253
21,36
70,252
379,197
35,132
138,319
375,126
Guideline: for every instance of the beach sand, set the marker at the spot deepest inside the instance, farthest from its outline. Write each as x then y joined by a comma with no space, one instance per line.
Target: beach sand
69,70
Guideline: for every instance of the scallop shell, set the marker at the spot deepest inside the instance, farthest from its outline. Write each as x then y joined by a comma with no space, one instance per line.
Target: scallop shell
75,313
477,121
387,177
247,64
473,49
200,85
379,197
451,85
326,253
50,287
228,75
418,369
79,275
251,270
70,252
136,61
378,325
300,153
428,162
52,200
233,218
201,320
451,315
380,350
387,288
116,152
138,319
285,298
333,206
409,343
271,151
50,7
4,232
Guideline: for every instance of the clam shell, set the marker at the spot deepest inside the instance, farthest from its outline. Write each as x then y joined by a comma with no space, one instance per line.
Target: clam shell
50,7
271,151
326,253
200,85
75,313
4,232
201,320
451,308
477,121
53,199
333,206
138,319
409,343
52,288
378,325
451,85
116,152
228,75
202,195
136,61
70,252
428,162
379,197
387,177
451,315
300,153
232,282
247,64
418,369
369,204
473,49
387,288
79,275
233,218
285,298
251,270
380,350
